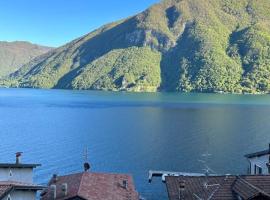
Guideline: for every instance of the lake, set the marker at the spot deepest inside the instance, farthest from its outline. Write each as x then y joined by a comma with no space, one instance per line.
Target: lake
132,132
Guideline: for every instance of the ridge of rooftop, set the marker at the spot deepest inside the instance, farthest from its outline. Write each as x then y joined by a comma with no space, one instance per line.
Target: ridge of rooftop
19,165
258,154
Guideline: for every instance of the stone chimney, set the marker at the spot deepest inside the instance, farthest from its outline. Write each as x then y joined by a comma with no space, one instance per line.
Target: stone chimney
86,166
54,178
64,189
18,157
182,188
53,192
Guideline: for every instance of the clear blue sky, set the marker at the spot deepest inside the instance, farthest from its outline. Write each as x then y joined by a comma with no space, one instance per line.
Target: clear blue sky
55,22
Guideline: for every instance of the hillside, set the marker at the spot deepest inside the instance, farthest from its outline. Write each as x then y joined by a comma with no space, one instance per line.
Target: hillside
14,55
175,45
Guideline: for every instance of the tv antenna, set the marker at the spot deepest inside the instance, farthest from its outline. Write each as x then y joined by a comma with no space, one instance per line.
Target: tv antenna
207,170
86,164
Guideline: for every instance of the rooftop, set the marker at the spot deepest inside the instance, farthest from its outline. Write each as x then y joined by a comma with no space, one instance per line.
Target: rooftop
18,165
93,186
258,154
219,187
7,186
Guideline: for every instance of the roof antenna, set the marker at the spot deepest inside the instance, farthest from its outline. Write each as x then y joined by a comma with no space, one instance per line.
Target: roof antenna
207,171
86,164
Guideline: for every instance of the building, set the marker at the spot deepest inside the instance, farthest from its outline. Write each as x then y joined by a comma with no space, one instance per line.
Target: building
11,190
16,181
91,186
259,162
249,187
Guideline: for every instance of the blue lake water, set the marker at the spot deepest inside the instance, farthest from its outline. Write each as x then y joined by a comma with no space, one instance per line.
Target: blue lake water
131,133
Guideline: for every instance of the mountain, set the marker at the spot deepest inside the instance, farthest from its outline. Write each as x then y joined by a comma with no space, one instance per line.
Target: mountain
175,45
14,55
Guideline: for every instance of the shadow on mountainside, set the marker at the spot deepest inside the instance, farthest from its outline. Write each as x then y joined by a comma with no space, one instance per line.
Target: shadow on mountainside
119,37
171,60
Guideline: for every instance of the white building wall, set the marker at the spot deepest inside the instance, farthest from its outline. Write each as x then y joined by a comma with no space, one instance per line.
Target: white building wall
17,174
21,195
261,162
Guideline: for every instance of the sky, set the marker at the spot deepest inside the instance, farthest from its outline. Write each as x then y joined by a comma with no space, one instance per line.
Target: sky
56,22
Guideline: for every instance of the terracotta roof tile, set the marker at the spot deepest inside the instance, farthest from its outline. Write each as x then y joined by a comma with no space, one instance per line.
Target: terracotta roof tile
7,186
4,189
94,186
219,187
245,189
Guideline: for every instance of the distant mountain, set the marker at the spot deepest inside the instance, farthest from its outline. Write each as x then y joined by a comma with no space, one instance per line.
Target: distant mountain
175,45
14,55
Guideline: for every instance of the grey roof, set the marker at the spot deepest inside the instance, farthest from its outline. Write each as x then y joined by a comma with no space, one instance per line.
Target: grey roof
14,165
258,154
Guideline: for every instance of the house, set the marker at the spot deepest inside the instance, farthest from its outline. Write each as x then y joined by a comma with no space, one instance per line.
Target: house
16,180
248,187
91,186
259,162
12,190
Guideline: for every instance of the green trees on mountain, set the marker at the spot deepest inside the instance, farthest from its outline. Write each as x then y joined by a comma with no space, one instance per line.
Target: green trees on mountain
175,45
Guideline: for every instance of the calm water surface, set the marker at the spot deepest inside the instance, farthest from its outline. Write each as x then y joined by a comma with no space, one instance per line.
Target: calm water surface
131,133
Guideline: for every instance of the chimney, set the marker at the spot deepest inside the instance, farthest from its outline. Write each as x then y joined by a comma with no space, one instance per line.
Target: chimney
125,184
64,189
268,164
182,187
86,166
53,192
54,178
18,157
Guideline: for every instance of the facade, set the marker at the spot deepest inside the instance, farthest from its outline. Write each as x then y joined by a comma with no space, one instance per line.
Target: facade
17,172
16,181
91,186
22,195
259,162
250,187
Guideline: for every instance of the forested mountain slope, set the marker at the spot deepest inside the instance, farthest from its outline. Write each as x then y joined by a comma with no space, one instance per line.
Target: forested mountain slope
175,45
14,55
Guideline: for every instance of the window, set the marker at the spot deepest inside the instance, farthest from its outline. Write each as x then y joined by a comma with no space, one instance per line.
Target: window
257,169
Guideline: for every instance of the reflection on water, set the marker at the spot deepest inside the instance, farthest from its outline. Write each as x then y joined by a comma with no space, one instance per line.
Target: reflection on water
131,133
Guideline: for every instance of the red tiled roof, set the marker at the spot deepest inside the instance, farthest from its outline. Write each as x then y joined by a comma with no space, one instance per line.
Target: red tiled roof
7,186
219,187
4,189
245,189
94,186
